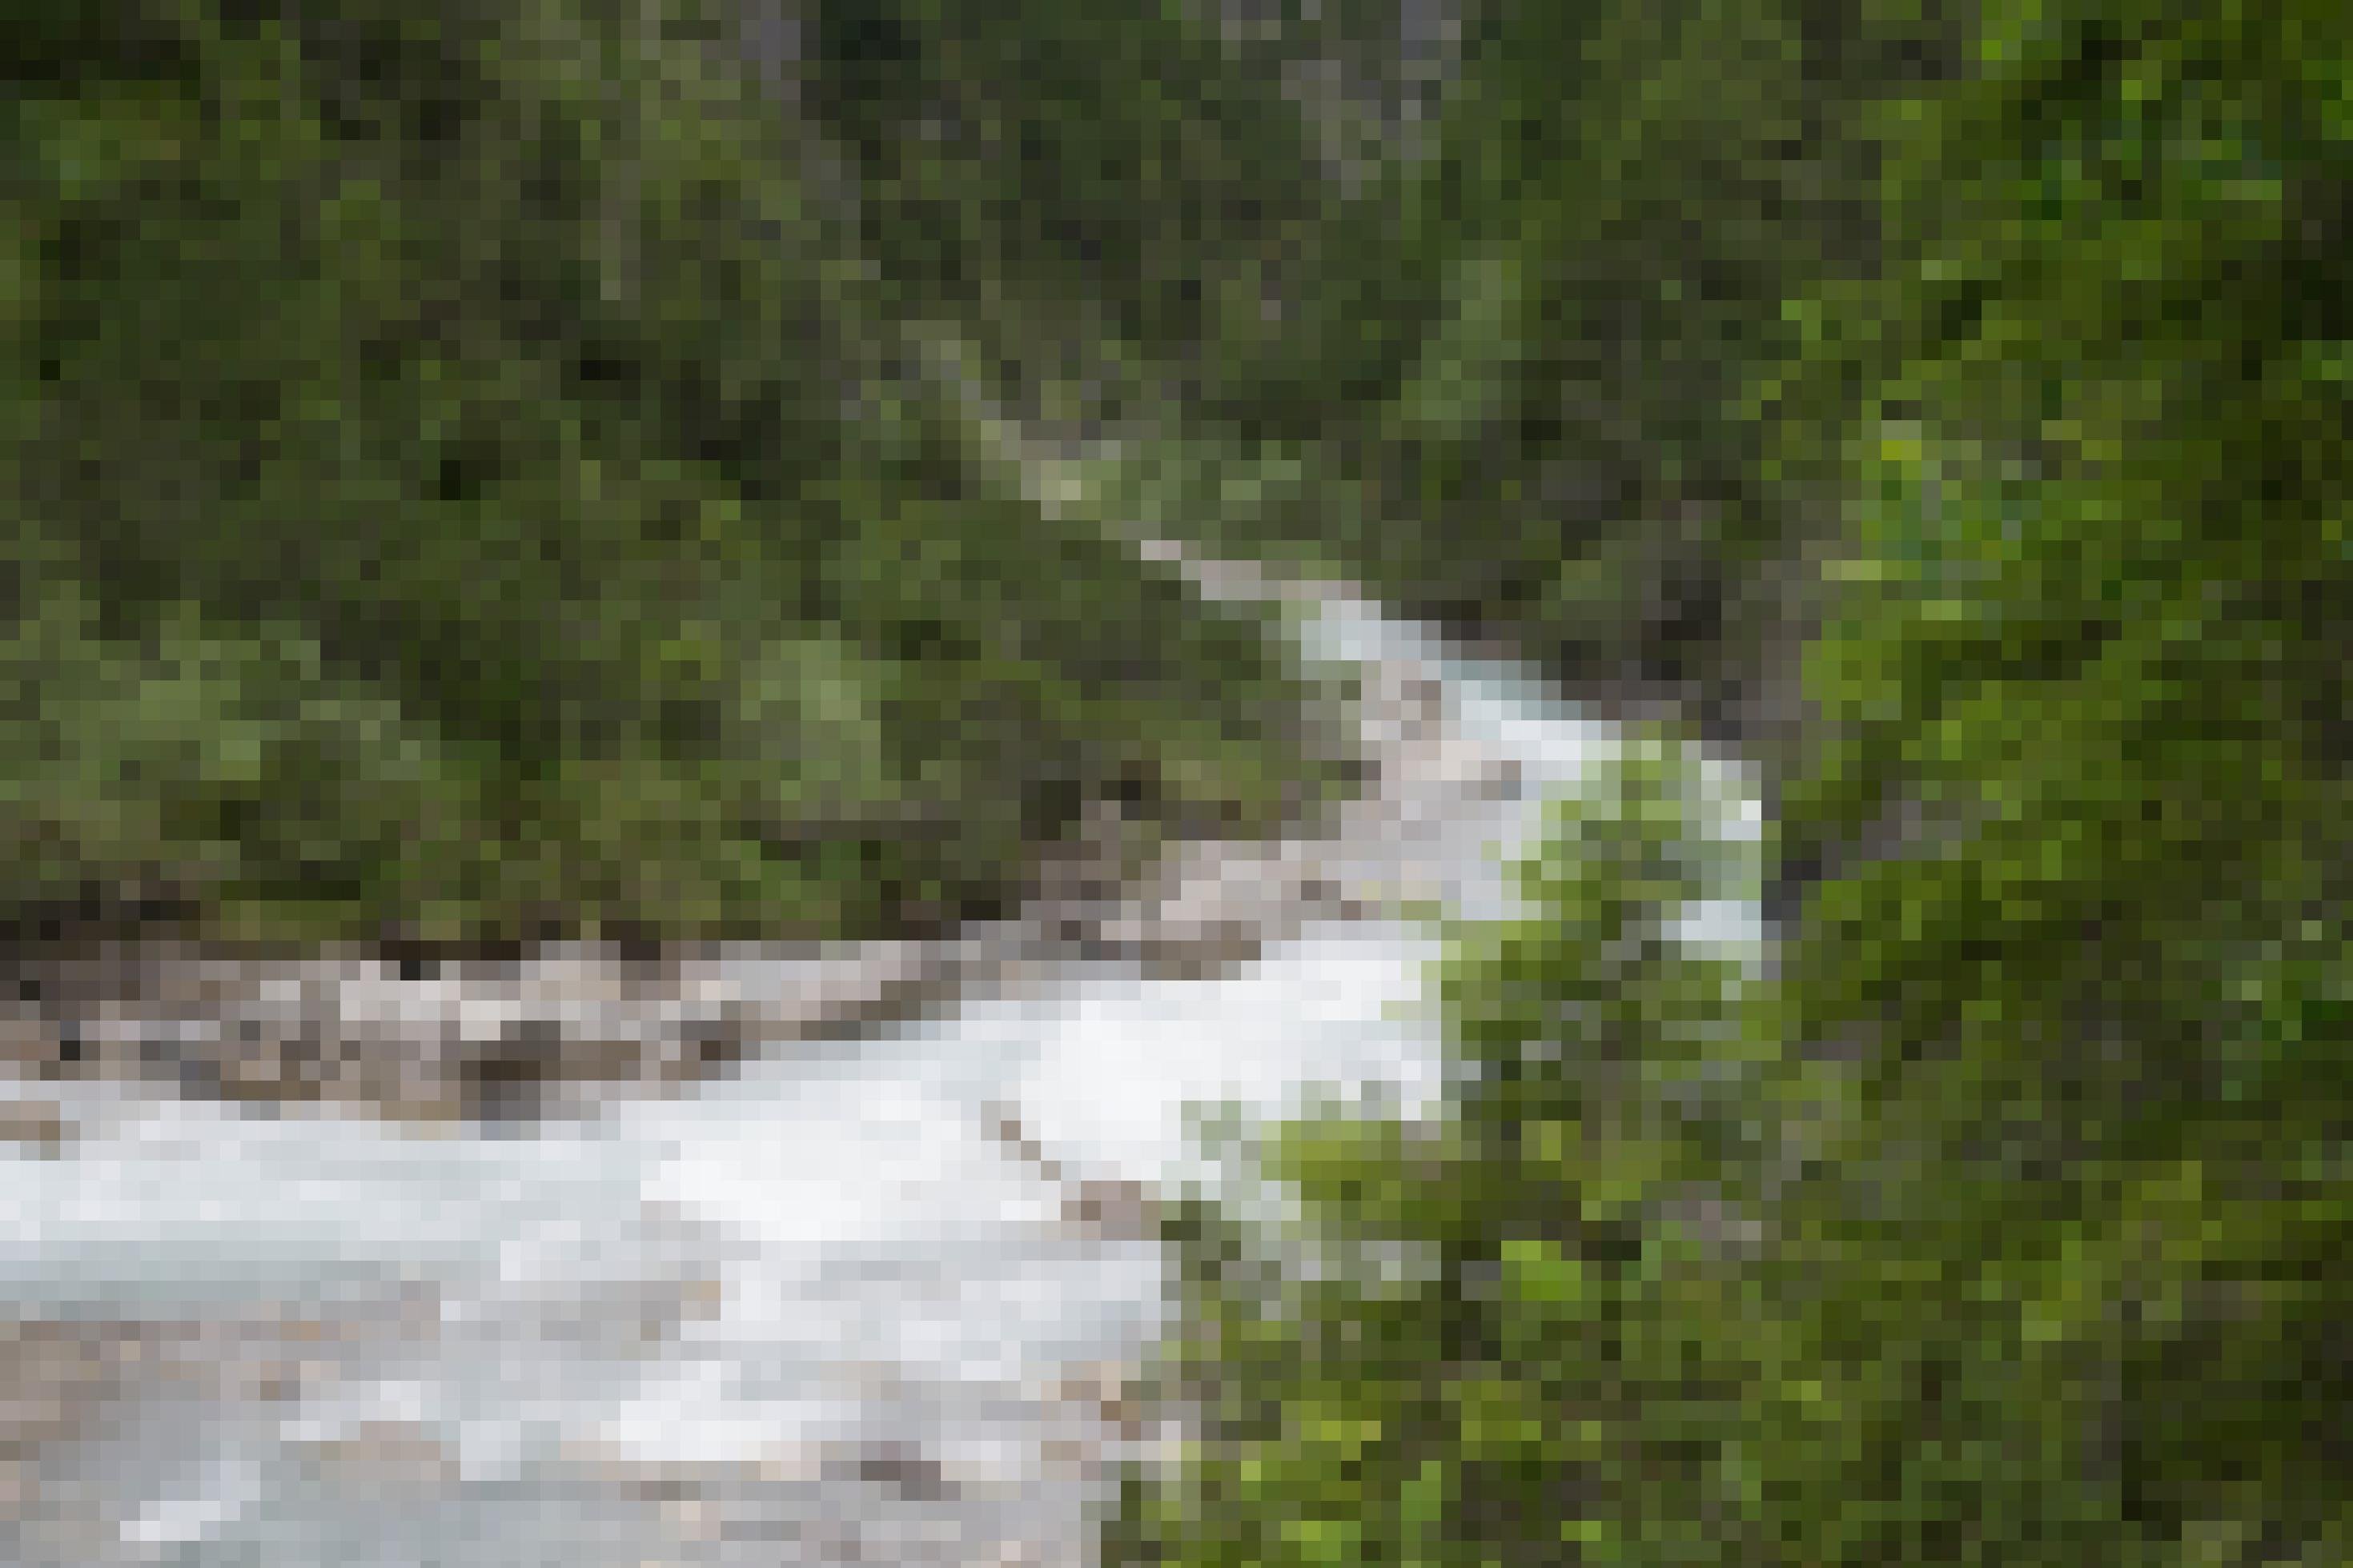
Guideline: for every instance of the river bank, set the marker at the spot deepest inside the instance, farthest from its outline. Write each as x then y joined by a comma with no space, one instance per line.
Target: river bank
867,1292
497,1039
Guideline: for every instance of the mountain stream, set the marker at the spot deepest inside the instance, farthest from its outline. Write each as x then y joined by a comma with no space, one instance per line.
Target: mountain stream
869,1301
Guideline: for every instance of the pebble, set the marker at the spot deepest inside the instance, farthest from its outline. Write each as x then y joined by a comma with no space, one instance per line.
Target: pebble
33,1126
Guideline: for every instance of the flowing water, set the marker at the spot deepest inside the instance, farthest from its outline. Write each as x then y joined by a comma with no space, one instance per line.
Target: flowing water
824,1310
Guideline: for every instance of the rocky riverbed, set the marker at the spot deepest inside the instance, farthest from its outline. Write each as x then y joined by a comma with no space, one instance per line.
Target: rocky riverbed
484,1038
737,1256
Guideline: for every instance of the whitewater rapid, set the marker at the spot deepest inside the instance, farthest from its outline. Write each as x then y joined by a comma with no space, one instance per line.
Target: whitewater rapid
812,1311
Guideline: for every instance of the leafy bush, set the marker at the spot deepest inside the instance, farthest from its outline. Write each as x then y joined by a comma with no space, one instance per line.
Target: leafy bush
211,769
1518,1331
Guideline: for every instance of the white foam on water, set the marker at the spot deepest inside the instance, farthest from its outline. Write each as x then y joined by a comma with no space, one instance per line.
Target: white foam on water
864,1262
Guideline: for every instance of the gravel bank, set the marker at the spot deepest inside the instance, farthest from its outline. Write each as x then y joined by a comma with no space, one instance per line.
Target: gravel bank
483,1040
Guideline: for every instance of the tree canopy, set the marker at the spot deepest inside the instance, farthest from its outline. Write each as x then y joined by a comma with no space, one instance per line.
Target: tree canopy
2000,1216
472,472
467,480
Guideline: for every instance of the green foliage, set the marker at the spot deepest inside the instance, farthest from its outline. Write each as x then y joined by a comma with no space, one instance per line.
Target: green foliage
1496,1335
2005,1222
2089,652
1094,191
464,478
1620,199
227,771
509,361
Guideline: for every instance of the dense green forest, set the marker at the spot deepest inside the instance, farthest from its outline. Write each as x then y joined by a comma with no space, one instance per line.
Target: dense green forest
468,482
1980,369
473,474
